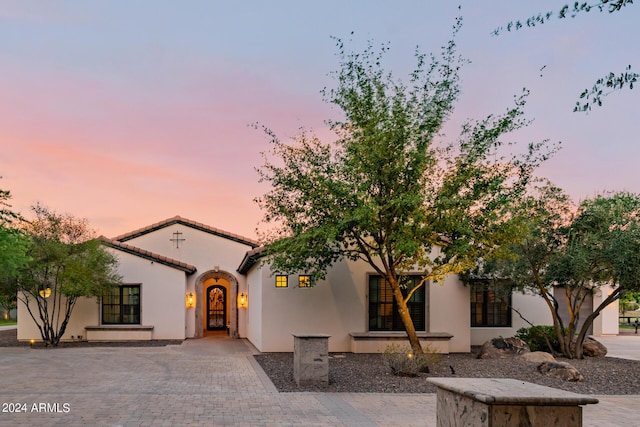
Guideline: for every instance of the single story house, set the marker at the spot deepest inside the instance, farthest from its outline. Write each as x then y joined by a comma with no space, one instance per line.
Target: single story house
183,279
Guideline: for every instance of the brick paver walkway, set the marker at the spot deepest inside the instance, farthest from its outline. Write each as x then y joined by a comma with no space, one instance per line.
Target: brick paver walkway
211,381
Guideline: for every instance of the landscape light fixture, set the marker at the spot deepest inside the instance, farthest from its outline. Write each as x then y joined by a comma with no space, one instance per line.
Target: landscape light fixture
243,300
191,300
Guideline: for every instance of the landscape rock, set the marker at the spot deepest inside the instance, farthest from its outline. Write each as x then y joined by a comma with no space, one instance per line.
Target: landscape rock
537,357
561,370
593,348
502,348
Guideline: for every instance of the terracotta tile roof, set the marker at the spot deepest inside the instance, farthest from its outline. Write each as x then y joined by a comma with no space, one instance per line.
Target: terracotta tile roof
161,259
189,223
250,258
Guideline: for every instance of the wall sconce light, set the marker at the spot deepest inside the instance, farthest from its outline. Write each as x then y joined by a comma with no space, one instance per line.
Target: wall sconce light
45,293
191,300
243,300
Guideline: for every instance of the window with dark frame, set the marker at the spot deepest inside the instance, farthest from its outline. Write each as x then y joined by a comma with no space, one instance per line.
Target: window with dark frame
383,309
121,306
282,281
489,309
304,281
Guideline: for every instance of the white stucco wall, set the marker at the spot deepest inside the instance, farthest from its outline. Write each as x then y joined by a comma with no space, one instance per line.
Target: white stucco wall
255,280
243,312
162,301
205,251
86,312
201,249
334,306
338,306
449,311
532,307
162,294
607,323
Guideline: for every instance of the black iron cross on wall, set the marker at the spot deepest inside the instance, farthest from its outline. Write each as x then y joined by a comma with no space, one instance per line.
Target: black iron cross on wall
177,238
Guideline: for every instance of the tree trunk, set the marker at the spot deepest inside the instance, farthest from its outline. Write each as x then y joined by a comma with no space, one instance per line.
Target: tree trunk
403,311
577,351
565,347
50,331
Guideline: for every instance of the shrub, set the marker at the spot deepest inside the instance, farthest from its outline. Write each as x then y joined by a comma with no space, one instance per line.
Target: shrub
401,360
535,338
628,306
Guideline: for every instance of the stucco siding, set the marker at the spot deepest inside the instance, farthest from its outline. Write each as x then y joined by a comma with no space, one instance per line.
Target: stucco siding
338,306
449,311
335,306
198,247
86,312
607,323
255,280
162,294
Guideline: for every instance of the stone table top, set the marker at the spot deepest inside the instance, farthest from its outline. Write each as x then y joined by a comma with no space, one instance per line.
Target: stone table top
503,391
301,335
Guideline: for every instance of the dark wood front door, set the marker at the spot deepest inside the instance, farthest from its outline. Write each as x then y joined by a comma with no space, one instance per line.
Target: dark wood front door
216,308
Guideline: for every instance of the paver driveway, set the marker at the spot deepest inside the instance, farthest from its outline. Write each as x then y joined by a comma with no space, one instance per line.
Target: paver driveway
210,381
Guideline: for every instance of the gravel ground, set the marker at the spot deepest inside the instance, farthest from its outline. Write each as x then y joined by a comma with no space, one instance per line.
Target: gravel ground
365,373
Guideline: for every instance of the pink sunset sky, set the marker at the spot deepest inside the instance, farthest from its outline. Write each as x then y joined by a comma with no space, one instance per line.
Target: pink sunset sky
128,113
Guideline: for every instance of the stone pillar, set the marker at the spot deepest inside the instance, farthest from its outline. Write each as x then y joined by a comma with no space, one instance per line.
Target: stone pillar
311,359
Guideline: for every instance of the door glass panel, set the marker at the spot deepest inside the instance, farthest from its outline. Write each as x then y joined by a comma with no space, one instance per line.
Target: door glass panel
216,308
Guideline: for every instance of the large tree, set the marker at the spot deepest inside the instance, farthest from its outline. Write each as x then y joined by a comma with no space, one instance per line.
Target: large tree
603,246
611,81
385,191
66,263
575,251
13,251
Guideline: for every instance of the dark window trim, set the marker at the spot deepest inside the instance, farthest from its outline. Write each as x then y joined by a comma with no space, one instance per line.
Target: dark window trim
490,302
121,306
422,325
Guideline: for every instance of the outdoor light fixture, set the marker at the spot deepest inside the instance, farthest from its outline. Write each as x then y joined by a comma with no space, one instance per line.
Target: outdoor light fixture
191,300
242,300
45,293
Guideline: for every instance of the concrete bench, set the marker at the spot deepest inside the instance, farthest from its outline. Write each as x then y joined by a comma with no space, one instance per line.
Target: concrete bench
492,402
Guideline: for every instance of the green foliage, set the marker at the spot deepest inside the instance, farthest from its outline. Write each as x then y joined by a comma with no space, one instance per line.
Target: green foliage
384,191
629,301
539,337
403,362
14,246
567,11
577,249
7,216
612,81
631,297
66,260
628,306
593,96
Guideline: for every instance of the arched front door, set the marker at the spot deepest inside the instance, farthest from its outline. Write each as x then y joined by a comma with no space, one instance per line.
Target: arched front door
216,308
